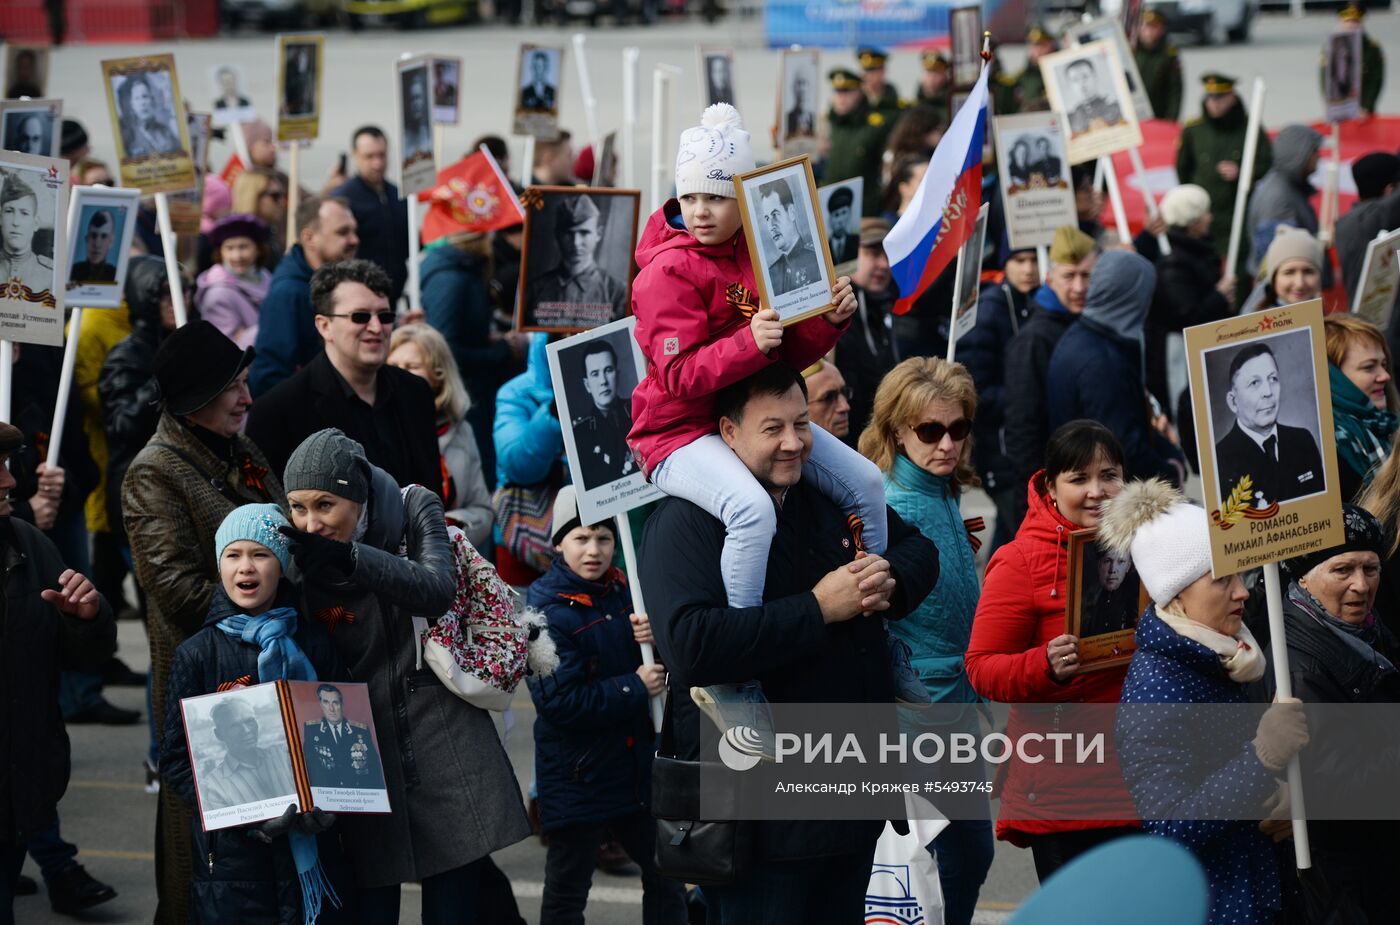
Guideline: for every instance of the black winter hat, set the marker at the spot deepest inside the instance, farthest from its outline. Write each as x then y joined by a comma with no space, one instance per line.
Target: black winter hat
1374,172
73,137
194,364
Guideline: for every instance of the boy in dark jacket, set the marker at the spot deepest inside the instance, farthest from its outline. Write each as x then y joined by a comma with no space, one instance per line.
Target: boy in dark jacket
593,734
277,871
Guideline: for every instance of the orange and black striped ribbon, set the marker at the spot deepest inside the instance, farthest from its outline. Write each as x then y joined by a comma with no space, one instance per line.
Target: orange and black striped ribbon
974,526
289,722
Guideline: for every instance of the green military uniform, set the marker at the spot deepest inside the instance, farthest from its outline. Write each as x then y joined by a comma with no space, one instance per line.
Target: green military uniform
1160,68
857,143
934,62
1028,87
888,105
1372,61
1206,142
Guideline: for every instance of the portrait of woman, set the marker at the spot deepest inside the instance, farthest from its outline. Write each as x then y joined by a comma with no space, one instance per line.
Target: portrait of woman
147,128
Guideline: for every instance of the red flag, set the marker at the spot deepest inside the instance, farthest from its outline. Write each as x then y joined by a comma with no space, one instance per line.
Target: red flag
232,169
472,195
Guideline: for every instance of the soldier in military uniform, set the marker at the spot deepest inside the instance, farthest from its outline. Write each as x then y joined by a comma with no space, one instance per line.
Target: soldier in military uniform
935,81
248,773
1093,110
1210,150
577,279
845,246
1159,66
98,244
1028,87
600,434
19,220
794,261
800,121
1372,59
881,95
856,136
538,94
339,752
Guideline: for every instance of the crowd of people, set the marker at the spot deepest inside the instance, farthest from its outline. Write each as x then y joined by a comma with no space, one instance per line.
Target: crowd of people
286,476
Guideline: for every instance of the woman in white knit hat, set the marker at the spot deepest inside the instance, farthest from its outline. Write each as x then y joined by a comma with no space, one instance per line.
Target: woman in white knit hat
1292,271
1194,648
698,324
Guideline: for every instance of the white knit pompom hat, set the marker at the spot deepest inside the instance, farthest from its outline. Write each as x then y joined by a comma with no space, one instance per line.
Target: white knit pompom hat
712,152
1185,205
1167,537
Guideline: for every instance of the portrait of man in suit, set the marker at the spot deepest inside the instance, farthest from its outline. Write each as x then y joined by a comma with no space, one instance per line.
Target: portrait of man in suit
845,245
719,83
538,92
1283,462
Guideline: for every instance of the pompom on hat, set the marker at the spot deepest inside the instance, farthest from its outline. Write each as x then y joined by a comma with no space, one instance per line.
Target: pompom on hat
257,523
1167,536
712,152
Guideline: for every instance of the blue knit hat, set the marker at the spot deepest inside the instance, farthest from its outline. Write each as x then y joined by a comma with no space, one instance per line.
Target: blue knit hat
258,523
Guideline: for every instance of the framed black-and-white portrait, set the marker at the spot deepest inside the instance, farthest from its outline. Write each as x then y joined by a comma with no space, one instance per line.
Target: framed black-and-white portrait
840,203
447,84
148,122
1086,83
576,266
417,171
300,57
1263,407
594,374
31,126
1034,176
33,238
1104,599
232,105
26,70
787,238
238,751
1109,29
538,76
1342,76
965,28
716,76
103,222
1380,274
799,103
967,280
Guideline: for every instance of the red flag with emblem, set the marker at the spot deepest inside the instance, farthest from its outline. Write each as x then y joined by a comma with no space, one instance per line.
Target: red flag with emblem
471,195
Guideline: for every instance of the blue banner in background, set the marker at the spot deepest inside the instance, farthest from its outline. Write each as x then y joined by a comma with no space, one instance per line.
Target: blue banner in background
849,23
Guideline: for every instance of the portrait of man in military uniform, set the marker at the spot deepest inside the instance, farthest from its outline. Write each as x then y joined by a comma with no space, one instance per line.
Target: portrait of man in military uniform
96,265
577,265
841,236
248,772
1091,100
601,414
339,751
789,255
19,225
299,87
537,90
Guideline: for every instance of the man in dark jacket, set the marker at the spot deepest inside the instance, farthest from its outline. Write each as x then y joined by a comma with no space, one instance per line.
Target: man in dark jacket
326,232
381,216
865,353
51,619
1377,209
389,411
808,643
1096,370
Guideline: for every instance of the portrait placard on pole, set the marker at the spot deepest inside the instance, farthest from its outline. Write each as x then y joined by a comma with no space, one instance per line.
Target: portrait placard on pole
1086,83
34,191
1108,29
1341,82
148,123
1268,460
799,90
413,95
447,89
1034,177
300,58
1380,273
103,223
31,126
537,78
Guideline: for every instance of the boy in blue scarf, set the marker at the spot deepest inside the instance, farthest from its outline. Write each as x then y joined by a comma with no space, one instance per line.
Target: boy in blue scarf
279,870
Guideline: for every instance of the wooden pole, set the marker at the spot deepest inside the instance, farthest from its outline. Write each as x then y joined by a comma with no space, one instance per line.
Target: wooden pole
293,192
629,556
1251,144
172,264
1273,593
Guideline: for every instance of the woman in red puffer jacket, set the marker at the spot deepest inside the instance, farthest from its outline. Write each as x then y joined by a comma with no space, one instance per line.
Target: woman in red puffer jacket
1021,654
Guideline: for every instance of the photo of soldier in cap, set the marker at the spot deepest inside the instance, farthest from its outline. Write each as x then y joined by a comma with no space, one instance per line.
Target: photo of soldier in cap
577,267
842,218
25,239
599,393
339,751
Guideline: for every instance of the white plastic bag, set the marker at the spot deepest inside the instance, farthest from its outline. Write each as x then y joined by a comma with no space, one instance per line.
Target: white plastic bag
904,887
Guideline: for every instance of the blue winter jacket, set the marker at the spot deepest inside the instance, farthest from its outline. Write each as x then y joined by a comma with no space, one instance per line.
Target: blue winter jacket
593,737
287,338
528,438
1181,790
938,630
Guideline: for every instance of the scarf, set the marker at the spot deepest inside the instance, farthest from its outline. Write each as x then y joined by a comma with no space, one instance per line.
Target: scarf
281,659
1360,638
1240,655
1363,430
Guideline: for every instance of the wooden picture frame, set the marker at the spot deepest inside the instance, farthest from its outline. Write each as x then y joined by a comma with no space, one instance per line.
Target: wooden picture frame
153,152
1110,618
299,106
804,290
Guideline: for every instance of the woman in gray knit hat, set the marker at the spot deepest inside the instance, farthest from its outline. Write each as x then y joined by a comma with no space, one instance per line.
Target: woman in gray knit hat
372,557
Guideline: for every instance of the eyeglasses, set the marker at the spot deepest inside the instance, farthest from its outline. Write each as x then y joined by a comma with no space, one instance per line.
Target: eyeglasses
933,431
386,317
827,398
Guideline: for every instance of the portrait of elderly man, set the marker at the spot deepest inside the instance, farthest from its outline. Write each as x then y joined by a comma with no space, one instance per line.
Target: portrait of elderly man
19,220
1282,462
602,420
95,267
1090,98
339,752
792,261
577,279
538,94
29,133
248,772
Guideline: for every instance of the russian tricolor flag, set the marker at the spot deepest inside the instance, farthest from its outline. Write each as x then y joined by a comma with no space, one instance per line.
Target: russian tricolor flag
943,212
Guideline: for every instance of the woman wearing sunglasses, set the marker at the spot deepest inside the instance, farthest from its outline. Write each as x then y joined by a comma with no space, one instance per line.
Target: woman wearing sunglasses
1020,654
919,437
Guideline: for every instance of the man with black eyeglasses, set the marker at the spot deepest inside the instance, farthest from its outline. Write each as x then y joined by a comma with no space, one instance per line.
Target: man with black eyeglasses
389,411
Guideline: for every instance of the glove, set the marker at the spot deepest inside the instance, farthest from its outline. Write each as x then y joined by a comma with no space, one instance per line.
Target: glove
315,554
273,829
314,822
1282,733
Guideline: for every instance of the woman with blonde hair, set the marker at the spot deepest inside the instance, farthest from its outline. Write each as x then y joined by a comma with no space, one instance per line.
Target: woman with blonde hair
261,192
1364,401
421,350
920,437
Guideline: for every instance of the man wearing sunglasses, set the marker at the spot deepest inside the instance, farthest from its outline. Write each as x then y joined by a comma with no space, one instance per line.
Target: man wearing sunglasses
829,399
349,386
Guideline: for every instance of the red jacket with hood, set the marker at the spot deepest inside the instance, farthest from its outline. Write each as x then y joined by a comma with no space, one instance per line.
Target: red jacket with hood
693,302
1021,609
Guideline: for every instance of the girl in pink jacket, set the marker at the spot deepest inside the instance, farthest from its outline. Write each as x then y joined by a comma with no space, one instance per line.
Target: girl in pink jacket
698,326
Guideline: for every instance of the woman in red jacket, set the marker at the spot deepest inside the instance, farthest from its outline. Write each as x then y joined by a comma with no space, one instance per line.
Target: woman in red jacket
1021,654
